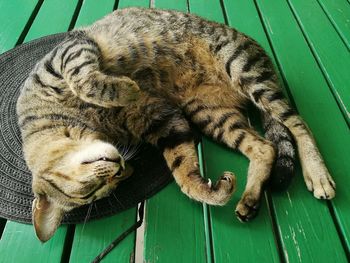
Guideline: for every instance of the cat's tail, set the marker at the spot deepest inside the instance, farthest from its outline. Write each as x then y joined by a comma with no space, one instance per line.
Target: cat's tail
263,90
283,169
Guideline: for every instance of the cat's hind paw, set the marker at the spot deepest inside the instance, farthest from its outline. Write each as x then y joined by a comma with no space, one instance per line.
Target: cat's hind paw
247,208
322,187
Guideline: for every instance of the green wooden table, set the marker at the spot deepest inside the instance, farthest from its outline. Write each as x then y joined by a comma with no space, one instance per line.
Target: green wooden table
309,41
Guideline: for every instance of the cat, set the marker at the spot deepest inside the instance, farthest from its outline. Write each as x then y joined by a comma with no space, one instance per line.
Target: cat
147,75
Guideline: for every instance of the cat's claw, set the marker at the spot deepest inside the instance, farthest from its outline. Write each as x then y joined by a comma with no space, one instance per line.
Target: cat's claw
209,182
324,189
228,180
221,191
247,208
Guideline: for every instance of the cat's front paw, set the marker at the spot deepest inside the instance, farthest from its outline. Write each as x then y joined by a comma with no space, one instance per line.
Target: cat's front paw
221,192
129,92
321,185
248,207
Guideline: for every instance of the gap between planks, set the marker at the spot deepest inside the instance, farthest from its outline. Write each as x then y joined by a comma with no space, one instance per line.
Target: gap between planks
2,226
140,236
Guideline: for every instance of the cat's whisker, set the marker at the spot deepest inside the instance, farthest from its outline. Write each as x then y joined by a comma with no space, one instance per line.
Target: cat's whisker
132,152
131,155
122,149
87,217
110,203
96,207
128,149
125,151
119,146
116,198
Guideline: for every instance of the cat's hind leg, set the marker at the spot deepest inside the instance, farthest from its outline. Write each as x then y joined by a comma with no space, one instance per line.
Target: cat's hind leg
213,111
264,92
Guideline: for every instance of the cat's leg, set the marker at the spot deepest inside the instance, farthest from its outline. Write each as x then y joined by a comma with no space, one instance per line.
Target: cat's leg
214,113
265,93
79,62
156,121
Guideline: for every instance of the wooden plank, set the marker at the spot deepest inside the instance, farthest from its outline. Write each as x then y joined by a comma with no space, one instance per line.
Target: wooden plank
232,240
300,217
207,8
180,5
19,244
206,216
130,3
176,232
328,48
90,239
50,19
92,10
174,228
14,17
338,13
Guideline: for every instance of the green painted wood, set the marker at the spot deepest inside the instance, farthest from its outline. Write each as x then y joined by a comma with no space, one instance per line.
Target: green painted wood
207,8
91,10
130,3
90,239
93,237
174,228
20,244
50,19
328,48
232,240
325,120
339,14
14,16
206,217
180,5
240,8
300,218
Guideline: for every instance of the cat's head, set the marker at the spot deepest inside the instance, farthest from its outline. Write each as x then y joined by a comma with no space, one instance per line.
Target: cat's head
68,174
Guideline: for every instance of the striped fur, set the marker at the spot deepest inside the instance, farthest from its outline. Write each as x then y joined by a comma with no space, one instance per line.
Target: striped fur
280,136
141,75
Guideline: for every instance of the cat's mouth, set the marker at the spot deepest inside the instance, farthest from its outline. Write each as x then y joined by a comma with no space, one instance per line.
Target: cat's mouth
105,159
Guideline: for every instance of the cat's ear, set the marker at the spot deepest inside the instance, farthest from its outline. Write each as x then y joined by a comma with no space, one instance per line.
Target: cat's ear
46,216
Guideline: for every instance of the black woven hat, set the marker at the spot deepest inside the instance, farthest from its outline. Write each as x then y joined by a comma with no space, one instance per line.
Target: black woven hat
150,170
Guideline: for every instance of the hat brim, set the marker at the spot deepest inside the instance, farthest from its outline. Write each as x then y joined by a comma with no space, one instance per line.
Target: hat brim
150,175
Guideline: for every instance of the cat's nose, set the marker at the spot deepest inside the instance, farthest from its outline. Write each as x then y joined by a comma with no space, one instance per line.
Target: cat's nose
124,171
121,168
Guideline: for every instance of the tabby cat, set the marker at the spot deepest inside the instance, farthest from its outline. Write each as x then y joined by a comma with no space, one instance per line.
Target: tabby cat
143,75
